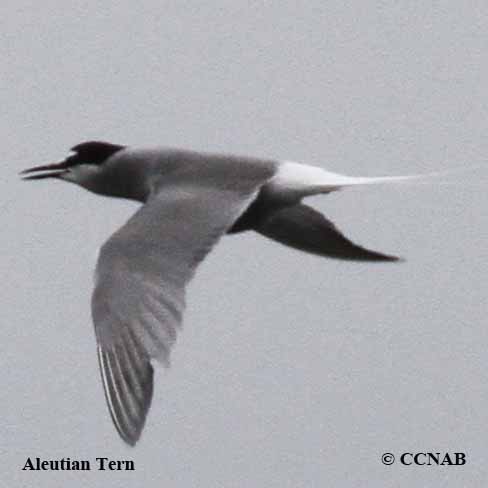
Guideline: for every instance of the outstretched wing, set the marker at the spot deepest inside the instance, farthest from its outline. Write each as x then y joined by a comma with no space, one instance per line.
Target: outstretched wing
141,274
302,227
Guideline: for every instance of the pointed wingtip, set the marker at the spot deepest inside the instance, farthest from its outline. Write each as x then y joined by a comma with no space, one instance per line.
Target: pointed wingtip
359,253
387,258
129,441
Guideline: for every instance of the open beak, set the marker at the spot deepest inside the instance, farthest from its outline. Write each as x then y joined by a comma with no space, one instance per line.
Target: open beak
46,171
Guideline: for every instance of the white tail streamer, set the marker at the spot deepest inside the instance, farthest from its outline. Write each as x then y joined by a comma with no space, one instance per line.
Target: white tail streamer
300,180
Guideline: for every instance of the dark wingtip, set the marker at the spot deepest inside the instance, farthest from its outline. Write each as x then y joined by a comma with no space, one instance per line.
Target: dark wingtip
129,441
374,256
353,252
389,258
306,229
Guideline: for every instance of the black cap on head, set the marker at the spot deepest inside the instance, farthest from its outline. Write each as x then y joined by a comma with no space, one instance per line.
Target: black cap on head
92,152
95,152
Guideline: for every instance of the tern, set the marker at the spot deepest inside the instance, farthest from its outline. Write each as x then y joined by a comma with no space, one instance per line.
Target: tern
190,200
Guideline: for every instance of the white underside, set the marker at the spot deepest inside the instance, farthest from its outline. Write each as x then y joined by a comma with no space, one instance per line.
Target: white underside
300,180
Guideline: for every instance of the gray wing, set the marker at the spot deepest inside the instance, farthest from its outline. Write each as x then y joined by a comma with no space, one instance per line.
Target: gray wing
139,295
302,227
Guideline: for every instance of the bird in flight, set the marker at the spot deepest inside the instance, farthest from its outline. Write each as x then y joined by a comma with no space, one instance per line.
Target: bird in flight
190,199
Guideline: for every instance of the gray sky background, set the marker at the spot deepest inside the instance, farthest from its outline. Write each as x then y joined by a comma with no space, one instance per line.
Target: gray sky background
291,371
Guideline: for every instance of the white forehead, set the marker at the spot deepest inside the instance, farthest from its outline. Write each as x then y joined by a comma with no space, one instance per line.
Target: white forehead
68,154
